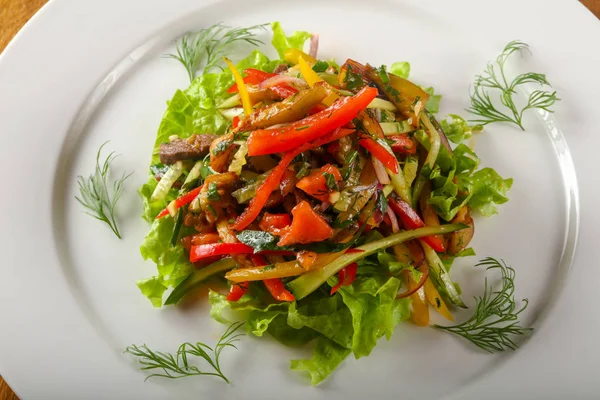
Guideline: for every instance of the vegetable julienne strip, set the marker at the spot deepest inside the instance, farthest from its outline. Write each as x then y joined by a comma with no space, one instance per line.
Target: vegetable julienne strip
310,281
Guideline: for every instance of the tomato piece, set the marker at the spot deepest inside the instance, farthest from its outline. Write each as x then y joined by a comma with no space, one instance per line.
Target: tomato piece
307,226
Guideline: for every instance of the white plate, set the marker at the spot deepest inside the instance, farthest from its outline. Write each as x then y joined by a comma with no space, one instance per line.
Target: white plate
81,73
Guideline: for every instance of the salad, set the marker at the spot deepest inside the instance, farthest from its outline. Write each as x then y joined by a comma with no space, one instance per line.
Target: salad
324,199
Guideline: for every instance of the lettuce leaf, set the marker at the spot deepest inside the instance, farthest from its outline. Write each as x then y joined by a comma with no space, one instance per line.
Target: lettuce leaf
457,182
288,336
448,260
327,315
172,263
281,42
257,314
488,189
433,104
400,68
326,357
455,127
153,288
375,311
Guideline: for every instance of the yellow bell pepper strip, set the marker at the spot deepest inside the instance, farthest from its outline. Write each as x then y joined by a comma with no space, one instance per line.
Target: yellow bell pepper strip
311,77
279,270
419,313
292,56
282,269
244,96
434,298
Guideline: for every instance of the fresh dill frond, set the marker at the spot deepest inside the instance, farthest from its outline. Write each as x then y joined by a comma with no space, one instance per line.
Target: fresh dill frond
95,195
177,366
495,320
494,78
206,46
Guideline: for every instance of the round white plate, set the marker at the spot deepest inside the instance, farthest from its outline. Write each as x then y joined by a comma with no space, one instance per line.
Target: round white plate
81,73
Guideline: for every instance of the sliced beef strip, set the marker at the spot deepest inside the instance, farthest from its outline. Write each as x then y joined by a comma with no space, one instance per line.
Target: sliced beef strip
280,68
192,148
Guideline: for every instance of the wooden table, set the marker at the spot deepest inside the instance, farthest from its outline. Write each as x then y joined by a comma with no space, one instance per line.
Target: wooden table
15,13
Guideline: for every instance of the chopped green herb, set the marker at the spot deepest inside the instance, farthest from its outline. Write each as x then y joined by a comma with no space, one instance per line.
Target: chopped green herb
213,192
330,181
353,80
383,75
221,147
267,268
303,127
320,66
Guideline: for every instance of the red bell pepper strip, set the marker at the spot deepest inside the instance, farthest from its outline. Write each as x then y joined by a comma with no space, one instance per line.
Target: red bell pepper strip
181,201
411,220
380,153
253,77
218,249
351,250
346,276
402,144
268,141
275,286
256,76
272,181
235,122
236,291
277,289
284,91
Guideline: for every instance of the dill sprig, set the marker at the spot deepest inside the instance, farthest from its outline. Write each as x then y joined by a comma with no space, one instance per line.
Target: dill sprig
95,195
178,366
495,320
208,45
494,77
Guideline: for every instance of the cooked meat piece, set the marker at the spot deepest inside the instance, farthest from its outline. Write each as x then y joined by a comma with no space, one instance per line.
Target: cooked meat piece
459,240
192,148
274,199
222,152
280,68
198,221
215,196
288,182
